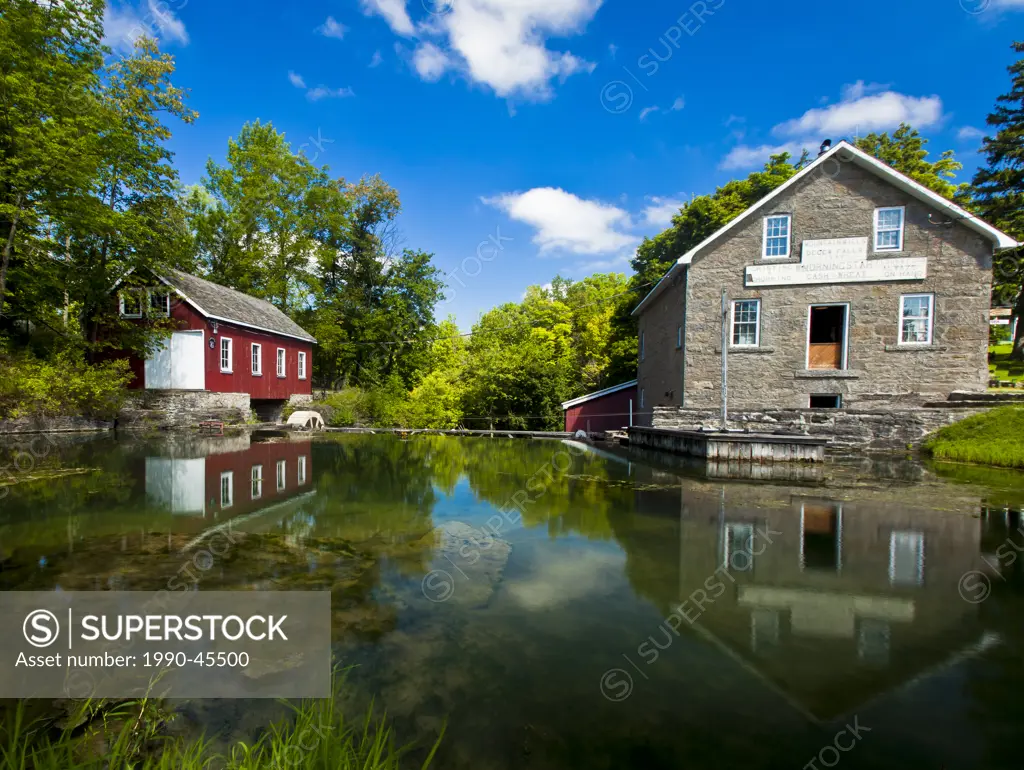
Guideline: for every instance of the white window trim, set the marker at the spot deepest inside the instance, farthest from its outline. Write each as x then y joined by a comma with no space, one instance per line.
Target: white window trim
256,477
282,363
302,365
757,326
931,320
231,355
229,476
256,359
903,227
166,311
846,334
142,297
789,237
302,469
919,578
732,527
282,475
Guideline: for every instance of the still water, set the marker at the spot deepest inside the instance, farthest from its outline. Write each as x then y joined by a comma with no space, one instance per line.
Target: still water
564,606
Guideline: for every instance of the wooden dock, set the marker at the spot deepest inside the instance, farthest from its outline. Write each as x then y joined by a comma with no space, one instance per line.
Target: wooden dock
722,446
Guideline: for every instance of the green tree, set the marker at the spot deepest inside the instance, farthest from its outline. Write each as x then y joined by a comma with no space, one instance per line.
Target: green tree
999,191
905,151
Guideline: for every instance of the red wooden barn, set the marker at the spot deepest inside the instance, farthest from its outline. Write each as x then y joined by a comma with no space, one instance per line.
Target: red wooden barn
605,410
226,341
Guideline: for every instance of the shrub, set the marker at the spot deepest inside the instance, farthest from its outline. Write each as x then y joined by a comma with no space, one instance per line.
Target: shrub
63,385
344,408
434,403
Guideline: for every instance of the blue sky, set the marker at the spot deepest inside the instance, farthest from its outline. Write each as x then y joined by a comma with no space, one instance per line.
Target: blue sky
534,137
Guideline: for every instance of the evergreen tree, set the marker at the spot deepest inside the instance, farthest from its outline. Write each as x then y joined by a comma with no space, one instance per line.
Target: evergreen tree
999,191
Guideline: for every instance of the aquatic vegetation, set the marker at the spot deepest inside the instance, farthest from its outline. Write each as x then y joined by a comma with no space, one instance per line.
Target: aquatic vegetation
991,438
133,734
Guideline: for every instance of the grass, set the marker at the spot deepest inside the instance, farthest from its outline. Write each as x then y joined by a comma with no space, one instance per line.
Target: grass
1001,367
100,735
995,437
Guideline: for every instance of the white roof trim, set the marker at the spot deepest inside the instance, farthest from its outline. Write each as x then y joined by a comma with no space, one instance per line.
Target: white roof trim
1000,239
231,321
598,394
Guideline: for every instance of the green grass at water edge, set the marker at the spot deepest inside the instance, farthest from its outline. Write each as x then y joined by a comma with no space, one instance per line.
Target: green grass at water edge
995,437
316,737
1001,366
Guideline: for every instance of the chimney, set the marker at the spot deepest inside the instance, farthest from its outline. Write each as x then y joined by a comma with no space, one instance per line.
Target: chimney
825,147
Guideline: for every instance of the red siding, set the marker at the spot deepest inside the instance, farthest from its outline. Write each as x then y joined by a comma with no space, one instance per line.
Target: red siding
241,379
601,414
240,464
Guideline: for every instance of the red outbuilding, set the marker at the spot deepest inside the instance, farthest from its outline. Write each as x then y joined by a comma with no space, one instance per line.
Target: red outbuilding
224,342
603,411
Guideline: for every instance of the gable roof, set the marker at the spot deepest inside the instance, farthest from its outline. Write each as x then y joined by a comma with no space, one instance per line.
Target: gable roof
598,394
219,303
868,162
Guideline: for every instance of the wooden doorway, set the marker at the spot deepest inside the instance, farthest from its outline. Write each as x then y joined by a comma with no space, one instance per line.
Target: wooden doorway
826,337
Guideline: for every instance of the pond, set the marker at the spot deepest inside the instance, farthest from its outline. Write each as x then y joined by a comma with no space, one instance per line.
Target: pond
563,606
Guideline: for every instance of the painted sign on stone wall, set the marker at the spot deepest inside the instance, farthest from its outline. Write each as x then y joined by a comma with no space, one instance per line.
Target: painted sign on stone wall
837,260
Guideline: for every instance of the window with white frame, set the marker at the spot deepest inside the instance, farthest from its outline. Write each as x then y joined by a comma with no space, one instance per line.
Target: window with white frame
302,366
916,315
738,547
159,304
302,469
282,474
257,359
889,229
746,323
776,236
906,558
257,482
227,489
280,362
131,303
225,355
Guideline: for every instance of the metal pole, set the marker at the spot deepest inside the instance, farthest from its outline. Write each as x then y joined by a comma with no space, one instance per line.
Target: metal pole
630,413
725,360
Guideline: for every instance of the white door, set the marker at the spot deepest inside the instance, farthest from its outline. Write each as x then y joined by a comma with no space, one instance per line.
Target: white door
188,358
177,484
158,367
178,364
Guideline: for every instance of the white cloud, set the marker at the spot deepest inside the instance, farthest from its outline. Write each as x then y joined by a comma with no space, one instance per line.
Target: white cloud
647,111
124,23
376,59
501,44
430,62
296,79
565,222
1010,4
331,28
879,112
677,105
659,211
858,112
744,156
323,92
394,14
970,133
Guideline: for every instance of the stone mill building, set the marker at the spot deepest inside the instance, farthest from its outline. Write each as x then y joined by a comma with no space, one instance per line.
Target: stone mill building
850,285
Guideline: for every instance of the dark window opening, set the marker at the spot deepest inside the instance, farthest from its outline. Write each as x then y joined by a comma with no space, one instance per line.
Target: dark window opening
826,401
822,537
825,341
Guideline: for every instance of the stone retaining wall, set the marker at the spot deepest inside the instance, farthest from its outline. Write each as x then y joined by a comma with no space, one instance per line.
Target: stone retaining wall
170,409
877,430
52,425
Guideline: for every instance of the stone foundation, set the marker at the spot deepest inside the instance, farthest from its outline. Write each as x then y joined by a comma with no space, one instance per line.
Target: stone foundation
173,409
890,430
52,425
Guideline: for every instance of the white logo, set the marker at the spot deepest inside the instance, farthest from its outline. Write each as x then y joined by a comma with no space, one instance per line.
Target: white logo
41,628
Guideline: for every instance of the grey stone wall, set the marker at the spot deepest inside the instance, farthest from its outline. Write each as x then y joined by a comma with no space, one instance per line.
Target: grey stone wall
171,409
836,201
660,369
885,430
52,425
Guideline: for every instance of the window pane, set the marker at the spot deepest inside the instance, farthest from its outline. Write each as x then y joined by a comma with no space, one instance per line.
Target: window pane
745,319
906,558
